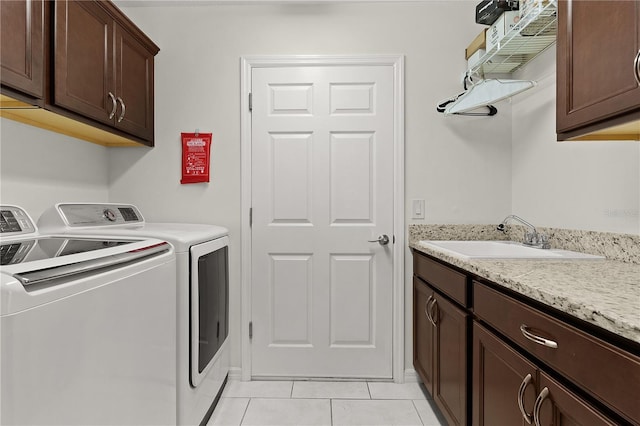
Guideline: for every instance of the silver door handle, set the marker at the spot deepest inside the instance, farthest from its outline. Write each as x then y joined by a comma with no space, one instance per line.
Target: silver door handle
383,240
124,109
636,66
426,308
113,106
536,406
523,386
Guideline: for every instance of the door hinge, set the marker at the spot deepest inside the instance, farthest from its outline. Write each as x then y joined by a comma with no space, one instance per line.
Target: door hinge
250,217
250,329
250,101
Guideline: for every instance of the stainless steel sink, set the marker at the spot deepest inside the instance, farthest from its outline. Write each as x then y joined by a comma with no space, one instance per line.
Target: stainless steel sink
502,250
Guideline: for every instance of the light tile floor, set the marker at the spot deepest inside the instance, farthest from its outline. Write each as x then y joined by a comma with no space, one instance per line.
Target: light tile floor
307,403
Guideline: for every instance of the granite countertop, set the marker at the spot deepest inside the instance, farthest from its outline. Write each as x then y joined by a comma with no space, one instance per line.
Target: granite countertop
603,292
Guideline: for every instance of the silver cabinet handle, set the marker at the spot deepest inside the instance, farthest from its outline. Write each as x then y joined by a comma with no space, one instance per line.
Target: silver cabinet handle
536,407
113,105
124,109
433,312
537,339
523,387
426,309
383,240
636,67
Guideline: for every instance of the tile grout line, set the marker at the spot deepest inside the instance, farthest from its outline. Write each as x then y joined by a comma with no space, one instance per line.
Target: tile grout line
331,410
417,412
245,412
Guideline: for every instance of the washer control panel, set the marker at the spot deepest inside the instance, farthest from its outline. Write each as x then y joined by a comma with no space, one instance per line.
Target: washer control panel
15,221
99,214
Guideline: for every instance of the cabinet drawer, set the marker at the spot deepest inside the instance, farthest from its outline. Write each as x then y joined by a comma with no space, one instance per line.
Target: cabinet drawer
606,372
450,282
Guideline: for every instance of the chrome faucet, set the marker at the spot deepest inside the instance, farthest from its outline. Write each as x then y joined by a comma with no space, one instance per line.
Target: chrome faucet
531,236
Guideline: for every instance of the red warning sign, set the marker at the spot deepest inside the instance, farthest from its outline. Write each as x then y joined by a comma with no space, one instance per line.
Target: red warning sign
196,153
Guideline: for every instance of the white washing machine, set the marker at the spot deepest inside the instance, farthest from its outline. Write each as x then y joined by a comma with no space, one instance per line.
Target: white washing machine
202,293
87,327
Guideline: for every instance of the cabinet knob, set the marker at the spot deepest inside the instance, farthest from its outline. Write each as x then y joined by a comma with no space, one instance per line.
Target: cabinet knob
113,105
123,109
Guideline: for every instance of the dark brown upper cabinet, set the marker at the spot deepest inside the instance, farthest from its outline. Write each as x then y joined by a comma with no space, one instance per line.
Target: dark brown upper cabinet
22,35
103,67
598,69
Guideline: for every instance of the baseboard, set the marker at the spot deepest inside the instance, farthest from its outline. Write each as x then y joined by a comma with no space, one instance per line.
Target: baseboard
410,376
235,373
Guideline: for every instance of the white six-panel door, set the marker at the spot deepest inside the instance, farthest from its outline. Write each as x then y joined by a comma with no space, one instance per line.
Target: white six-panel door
322,188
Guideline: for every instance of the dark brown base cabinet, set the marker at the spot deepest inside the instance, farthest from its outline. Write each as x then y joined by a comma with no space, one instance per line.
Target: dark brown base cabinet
472,354
510,390
441,347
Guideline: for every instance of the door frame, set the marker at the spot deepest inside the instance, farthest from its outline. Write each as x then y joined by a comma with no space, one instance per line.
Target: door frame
248,63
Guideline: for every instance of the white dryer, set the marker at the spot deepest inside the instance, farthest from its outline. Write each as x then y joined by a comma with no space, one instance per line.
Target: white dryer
202,293
87,327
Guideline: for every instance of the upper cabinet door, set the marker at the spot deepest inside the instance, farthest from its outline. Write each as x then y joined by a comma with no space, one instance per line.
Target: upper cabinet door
22,46
134,85
598,42
84,60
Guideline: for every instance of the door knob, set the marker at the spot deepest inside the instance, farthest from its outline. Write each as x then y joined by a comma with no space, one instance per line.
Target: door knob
383,240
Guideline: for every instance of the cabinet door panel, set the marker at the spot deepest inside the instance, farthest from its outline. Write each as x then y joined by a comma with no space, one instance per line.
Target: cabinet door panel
597,44
83,59
22,45
498,372
563,408
450,390
134,85
423,332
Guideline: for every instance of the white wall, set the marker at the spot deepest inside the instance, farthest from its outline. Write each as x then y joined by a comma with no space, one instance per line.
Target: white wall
577,185
39,168
461,166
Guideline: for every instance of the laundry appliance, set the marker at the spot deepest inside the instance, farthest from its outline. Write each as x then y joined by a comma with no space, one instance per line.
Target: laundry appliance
87,327
202,293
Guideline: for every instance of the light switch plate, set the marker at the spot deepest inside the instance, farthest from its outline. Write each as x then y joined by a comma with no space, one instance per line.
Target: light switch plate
417,209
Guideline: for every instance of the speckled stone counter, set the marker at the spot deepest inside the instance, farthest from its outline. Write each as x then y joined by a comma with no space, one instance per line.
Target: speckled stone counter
603,292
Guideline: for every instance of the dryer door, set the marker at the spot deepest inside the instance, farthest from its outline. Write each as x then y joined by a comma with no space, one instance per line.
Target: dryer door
209,304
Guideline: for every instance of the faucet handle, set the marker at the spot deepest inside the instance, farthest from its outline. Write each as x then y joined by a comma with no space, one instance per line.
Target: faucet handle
544,241
531,238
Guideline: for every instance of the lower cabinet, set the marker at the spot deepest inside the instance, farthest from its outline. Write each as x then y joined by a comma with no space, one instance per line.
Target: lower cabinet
489,357
440,351
503,382
510,390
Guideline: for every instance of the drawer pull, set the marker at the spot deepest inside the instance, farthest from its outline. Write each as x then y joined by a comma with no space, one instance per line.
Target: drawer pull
536,407
523,387
537,339
426,309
